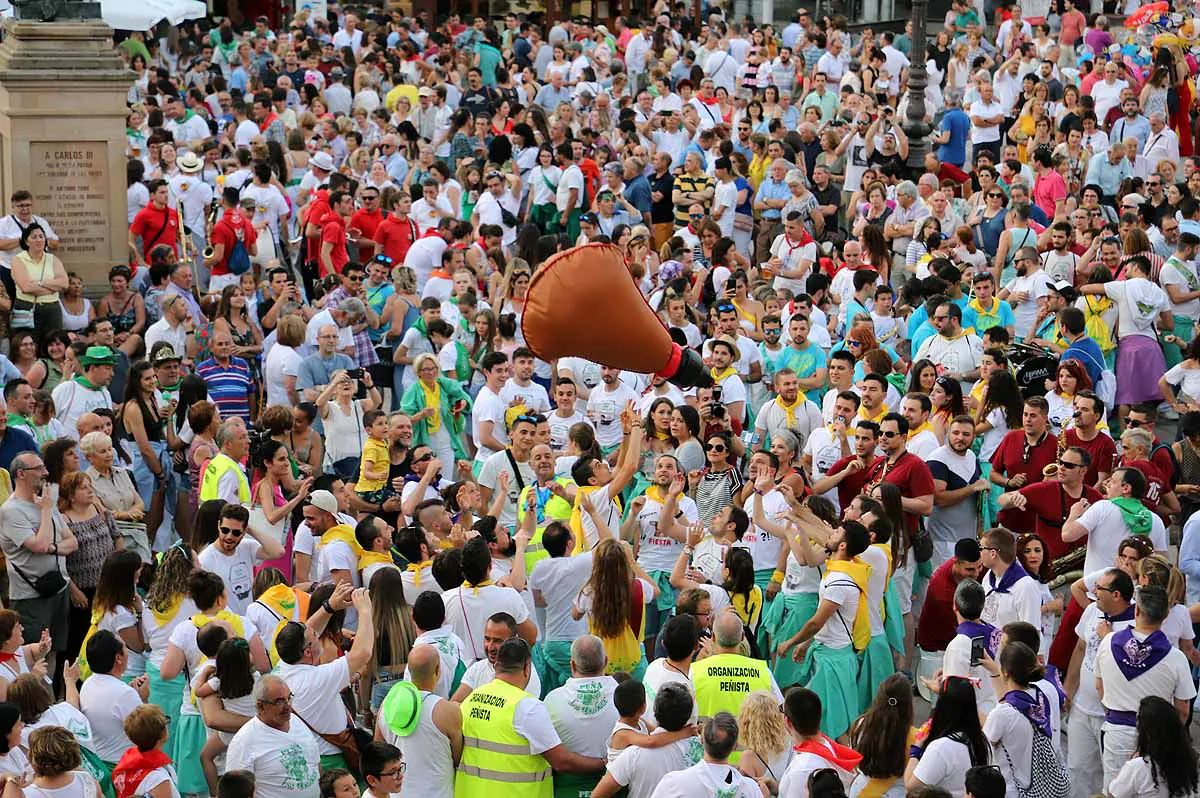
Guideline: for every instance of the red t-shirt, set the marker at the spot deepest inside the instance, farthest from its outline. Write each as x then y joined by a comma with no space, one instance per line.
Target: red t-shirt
226,232
853,484
314,213
1103,453
367,224
938,624
333,230
1008,460
1049,502
156,227
911,475
1157,484
397,236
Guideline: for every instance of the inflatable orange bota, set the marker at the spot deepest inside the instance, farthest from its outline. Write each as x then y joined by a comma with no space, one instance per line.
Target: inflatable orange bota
584,303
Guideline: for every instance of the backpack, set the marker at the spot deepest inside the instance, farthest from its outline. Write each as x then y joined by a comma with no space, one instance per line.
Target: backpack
1048,777
1096,327
1175,474
85,670
239,258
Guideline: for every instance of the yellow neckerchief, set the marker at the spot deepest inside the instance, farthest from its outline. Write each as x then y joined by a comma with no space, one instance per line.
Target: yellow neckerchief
433,399
887,549
749,607
235,622
415,569
961,333
741,312
660,436
883,411
656,494
1066,397
576,522
791,409
978,308
281,599
722,376
345,534
860,573
475,588
164,618
926,426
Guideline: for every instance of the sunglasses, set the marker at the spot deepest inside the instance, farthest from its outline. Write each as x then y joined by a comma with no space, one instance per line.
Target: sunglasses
853,342
995,196
237,533
726,307
1133,423
423,458
1069,465
715,447
886,434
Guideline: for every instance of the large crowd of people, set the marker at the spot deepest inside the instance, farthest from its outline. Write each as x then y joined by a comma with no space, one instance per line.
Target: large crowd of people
292,510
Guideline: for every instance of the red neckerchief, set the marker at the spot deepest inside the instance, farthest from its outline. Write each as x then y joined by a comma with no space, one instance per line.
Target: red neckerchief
266,123
709,101
134,766
832,752
433,231
690,230
805,238
7,657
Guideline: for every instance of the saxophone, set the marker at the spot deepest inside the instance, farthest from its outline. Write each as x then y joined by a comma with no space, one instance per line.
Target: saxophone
1051,471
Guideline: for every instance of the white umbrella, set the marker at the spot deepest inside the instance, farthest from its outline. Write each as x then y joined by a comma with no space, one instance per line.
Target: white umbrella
145,14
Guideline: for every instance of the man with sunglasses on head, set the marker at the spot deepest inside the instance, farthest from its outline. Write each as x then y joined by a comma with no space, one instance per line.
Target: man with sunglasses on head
235,553
1027,293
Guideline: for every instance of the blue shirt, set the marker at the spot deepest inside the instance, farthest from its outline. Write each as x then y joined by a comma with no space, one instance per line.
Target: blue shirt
1138,127
770,190
958,123
1104,173
12,443
919,316
1087,352
1002,317
550,98
637,191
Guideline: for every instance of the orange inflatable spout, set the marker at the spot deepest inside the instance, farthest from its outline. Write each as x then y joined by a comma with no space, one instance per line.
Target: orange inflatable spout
584,303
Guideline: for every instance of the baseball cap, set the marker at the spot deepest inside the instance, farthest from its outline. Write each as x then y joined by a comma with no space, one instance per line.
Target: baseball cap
425,91
323,500
163,353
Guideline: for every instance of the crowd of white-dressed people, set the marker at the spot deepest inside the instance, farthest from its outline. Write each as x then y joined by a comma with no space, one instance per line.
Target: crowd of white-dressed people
290,509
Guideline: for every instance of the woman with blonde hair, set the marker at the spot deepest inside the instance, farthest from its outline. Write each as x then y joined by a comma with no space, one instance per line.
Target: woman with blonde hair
617,584
167,605
1157,571
764,739
394,632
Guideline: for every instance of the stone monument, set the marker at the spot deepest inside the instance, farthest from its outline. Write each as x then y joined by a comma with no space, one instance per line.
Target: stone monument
62,130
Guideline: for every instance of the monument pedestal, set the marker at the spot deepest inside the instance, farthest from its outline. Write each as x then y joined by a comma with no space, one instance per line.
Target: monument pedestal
62,136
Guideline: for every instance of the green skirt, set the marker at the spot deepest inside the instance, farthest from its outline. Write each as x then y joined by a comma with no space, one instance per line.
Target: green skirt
893,620
571,785
1173,353
781,619
545,217
875,665
168,695
189,742
100,770
831,673
553,661
762,579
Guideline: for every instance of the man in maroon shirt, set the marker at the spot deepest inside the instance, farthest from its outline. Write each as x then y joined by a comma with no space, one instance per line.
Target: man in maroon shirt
1145,416
903,469
1086,434
938,625
1051,500
850,474
1021,456
1135,447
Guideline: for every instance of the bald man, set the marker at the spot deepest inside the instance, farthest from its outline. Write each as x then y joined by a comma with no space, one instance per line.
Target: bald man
582,710
436,739
89,422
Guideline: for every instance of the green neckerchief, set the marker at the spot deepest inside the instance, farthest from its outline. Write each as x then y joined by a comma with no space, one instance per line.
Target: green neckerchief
86,383
419,326
1135,514
462,363
18,420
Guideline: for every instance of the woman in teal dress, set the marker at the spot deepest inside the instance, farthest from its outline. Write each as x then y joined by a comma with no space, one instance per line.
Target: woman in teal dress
438,407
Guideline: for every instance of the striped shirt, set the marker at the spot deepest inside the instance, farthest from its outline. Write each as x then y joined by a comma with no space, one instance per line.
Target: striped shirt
228,386
686,182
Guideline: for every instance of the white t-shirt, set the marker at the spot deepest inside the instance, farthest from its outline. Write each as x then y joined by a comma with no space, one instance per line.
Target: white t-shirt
659,552
1022,602
183,637
1169,679
282,362
583,713
607,509
725,197
488,407
559,580
450,650
533,396
1186,381
983,135
706,778
481,672
764,547
468,608
315,695
571,178
641,769
1087,700
793,256
841,590
604,409
105,701
956,661
945,764
657,674
1136,780
66,716
1106,529
824,449
1010,731
560,428
1037,285
1183,275
157,635
285,764
236,570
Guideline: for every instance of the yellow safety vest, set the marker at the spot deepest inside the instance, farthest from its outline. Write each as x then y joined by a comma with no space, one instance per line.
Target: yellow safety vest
556,509
494,754
216,469
723,681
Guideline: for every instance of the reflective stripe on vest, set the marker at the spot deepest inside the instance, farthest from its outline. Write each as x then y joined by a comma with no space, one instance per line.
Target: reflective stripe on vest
494,752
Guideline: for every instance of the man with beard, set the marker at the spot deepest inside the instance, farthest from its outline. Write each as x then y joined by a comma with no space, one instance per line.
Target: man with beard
956,482
850,474
903,469
1087,435
922,440
1021,456
508,470
830,443
659,519
548,497
956,352
1027,293
499,628
789,411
